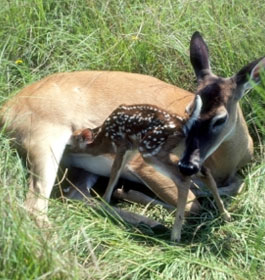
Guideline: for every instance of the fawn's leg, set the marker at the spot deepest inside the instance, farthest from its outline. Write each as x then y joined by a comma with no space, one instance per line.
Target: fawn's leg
211,185
183,188
161,185
163,163
121,158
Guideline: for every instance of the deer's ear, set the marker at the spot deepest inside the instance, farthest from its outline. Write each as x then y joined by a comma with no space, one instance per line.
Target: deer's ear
248,76
199,56
194,112
189,108
87,135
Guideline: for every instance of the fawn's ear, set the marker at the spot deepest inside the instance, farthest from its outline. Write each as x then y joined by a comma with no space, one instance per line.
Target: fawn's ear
199,56
87,135
248,77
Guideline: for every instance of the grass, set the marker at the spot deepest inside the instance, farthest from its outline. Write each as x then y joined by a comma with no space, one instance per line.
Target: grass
38,38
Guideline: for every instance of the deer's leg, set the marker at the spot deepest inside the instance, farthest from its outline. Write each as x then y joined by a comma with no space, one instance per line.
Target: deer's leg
163,163
211,185
79,184
141,198
183,188
120,160
233,187
44,153
161,185
80,191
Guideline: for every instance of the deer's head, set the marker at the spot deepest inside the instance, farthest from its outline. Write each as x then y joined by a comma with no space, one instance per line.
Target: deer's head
218,115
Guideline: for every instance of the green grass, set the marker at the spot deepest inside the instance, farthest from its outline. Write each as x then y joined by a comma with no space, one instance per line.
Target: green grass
150,37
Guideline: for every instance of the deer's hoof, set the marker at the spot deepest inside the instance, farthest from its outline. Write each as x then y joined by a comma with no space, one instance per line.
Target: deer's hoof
175,236
226,216
106,198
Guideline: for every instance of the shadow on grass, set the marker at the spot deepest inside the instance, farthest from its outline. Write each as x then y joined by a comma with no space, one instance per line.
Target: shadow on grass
207,227
196,229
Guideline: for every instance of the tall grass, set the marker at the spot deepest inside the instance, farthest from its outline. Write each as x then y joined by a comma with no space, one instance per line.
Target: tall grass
38,38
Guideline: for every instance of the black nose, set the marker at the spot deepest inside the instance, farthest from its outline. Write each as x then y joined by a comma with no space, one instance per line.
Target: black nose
188,169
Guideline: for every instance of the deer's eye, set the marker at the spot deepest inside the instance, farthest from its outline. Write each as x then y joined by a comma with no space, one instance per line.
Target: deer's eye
218,122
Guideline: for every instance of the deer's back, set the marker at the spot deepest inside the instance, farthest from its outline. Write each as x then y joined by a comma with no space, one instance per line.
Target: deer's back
85,99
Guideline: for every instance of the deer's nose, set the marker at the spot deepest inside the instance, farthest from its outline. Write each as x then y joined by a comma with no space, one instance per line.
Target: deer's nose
188,169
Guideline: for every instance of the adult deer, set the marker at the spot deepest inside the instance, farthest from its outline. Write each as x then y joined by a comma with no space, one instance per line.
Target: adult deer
152,132
43,116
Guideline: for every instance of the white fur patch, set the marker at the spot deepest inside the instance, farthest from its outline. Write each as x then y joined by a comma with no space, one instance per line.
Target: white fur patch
195,114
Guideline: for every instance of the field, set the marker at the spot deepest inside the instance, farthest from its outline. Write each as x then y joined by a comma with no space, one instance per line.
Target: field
40,37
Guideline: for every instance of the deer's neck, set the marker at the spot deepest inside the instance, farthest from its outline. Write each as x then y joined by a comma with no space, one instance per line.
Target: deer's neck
235,151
